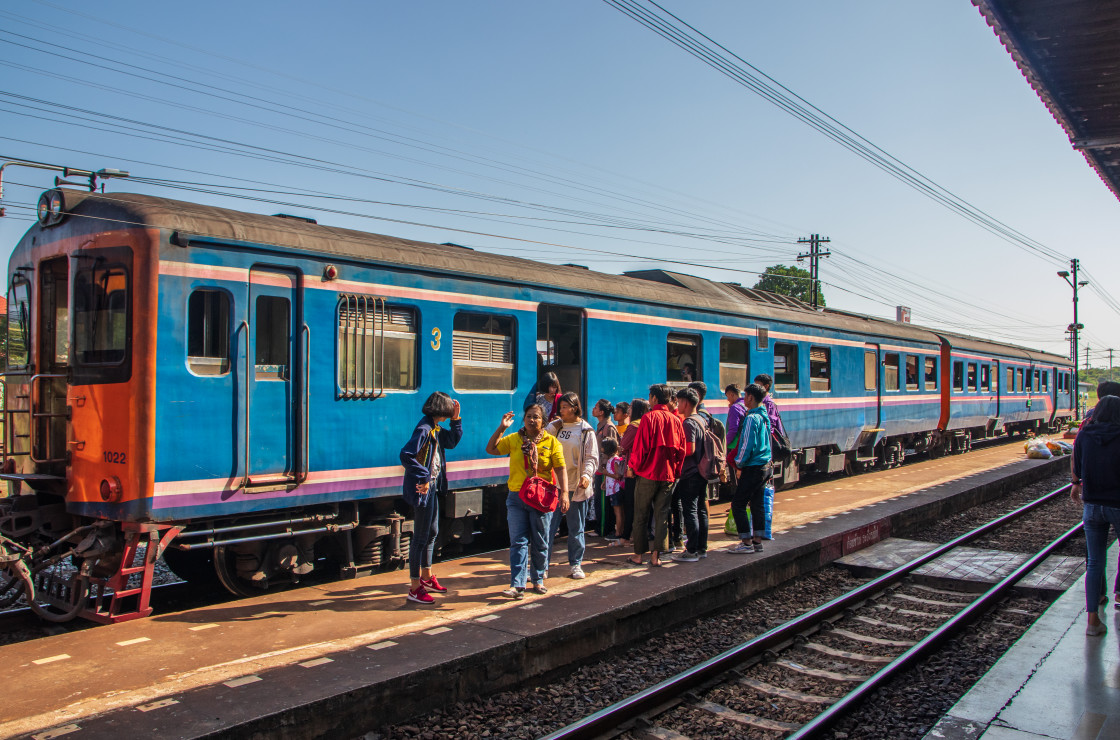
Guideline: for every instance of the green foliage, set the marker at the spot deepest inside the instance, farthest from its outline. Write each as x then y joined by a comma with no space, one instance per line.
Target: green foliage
792,281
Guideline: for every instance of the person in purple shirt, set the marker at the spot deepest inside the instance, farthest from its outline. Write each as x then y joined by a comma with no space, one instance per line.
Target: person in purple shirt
736,410
768,402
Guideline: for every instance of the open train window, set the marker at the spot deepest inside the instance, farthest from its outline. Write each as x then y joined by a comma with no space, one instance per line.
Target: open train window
1029,385
376,347
1010,387
870,371
1045,380
911,372
682,358
820,369
19,324
1037,386
1019,382
272,318
931,374
482,352
958,376
734,362
208,332
890,371
785,367
985,378
101,317
972,386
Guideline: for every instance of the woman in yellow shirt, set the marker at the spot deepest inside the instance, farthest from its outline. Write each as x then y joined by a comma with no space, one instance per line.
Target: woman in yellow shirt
530,448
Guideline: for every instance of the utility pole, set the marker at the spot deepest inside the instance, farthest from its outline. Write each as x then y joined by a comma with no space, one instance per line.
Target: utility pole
1110,363
1074,329
814,254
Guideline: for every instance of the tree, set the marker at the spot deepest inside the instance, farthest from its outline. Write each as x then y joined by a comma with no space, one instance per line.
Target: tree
792,281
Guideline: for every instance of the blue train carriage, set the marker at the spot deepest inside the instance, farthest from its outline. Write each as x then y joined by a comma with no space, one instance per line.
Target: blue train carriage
997,389
230,390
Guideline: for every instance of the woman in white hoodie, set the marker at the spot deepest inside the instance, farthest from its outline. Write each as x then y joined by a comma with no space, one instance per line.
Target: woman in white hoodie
581,460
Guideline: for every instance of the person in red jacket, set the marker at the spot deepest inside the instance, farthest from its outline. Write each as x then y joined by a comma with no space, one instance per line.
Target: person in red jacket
655,461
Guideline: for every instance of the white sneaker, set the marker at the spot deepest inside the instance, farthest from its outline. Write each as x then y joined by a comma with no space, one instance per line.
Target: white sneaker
577,572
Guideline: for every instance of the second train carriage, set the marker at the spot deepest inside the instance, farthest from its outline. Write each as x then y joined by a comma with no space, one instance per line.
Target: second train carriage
232,389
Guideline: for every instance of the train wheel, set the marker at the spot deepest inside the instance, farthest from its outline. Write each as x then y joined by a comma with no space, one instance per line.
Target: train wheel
225,567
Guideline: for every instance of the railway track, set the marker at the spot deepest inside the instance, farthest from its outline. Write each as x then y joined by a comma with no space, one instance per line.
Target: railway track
800,678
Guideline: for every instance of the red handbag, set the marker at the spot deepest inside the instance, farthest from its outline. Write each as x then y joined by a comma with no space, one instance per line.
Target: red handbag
539,494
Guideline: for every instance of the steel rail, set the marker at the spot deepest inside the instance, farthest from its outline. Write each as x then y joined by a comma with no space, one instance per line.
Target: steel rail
609,718
823,722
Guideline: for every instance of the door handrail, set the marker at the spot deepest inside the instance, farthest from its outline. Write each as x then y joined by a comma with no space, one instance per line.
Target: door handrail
306,331
245,323
32,416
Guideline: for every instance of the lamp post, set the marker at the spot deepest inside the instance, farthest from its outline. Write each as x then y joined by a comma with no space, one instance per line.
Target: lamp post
1074,328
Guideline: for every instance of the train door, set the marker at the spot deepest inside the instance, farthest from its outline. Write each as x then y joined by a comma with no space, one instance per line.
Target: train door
48,385
560,346
273,376
872,388
873,404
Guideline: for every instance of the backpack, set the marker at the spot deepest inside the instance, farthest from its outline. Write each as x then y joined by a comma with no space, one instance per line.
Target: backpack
713,454
780,449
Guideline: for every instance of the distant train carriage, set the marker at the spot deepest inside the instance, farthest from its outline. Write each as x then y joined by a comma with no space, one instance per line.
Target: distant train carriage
231,390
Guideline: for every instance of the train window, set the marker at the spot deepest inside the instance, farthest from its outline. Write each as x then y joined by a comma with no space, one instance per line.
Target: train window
1010,387
1037,386
376,347
682,358
762,335
482,352
19,316
820,369
1045,380
958,376
734,362
785,367
101,315
1029,385
272,317
911,372
972,376
1019,381
931,374
208,332
890,371
986,378
870,368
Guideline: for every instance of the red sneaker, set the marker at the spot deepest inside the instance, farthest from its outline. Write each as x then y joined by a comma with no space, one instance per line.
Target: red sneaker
433,584
420,596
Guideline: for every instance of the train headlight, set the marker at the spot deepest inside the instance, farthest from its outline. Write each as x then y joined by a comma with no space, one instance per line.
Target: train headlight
330,272
50,208
111,489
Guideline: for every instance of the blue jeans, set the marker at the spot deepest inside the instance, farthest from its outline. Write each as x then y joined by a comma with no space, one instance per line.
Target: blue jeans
1096,519
577,522
528,541
425,527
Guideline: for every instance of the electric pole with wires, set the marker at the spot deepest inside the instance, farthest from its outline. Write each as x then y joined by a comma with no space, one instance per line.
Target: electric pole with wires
814,254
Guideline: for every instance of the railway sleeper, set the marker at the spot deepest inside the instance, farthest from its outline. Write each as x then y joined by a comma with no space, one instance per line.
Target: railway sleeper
782,693
750,720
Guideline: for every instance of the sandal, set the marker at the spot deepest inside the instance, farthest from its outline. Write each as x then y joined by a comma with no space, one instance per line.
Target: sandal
631,564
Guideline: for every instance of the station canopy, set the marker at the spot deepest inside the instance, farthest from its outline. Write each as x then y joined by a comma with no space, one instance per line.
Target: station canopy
1069,51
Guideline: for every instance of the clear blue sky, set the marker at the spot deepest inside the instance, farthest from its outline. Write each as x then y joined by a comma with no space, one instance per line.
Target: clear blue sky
573,107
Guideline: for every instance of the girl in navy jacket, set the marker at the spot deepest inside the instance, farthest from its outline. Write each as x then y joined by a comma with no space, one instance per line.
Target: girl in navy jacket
425,476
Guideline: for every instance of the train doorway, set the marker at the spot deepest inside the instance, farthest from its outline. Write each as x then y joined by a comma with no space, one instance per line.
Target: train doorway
560,346
48,385
273,372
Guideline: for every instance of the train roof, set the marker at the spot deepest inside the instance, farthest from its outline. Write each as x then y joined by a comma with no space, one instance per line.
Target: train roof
657,287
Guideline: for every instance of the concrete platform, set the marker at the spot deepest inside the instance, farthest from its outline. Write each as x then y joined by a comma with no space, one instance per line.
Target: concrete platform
970,568
1054,682
338,658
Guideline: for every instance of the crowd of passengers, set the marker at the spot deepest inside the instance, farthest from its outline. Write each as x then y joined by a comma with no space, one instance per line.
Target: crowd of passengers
647,459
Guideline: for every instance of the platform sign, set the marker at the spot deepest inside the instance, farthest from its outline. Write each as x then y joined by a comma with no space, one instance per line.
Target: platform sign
857,539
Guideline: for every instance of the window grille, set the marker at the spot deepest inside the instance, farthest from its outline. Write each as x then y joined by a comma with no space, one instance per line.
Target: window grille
376,347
